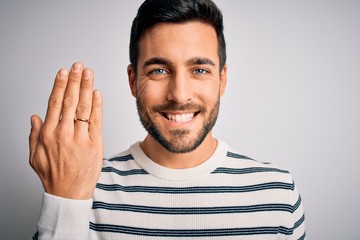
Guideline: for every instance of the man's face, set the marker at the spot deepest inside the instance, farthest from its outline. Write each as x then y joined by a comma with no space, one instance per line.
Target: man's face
178,84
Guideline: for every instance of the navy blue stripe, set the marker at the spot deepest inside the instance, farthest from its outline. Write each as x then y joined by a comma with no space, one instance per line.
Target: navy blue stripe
192,190
303,236
218,170
124,173
297,204
247,170
236,155
193,211
186,232
289,231
300,221
121,158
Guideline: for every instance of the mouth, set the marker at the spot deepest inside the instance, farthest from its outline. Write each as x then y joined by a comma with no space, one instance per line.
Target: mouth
179,117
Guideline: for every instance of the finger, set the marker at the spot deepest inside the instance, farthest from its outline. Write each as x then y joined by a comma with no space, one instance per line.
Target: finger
83,110
36,124
56,98
95,127
71,97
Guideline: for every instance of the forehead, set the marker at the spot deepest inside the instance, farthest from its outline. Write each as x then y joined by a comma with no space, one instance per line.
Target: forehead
179,41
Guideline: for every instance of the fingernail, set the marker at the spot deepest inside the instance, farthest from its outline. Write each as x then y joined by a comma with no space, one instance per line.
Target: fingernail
76,67
63,73
87,73
97,94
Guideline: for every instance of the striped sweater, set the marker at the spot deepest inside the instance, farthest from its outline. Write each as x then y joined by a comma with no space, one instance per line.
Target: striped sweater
229,196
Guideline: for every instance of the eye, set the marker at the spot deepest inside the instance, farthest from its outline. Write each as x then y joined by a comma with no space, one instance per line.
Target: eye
158,74
158,71
200,71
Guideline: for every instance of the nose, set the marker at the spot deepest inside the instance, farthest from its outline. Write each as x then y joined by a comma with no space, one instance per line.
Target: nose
179,89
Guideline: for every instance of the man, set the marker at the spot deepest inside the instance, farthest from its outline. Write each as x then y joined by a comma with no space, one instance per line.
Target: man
179,182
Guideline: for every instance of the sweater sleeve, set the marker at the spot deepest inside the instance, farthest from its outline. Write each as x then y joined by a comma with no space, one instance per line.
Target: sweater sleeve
62,218
297,218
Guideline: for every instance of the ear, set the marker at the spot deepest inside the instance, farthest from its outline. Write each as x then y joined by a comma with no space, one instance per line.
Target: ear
223,80
132,79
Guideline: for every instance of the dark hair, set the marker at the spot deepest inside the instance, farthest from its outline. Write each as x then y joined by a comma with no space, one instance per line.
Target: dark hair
152,12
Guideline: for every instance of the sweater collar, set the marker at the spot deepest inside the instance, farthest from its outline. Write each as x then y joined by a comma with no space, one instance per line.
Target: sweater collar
187,174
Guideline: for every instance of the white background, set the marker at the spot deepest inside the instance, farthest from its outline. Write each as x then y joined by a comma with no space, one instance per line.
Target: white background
292,99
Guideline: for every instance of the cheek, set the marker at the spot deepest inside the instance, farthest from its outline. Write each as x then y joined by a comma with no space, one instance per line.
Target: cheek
208,92
150,93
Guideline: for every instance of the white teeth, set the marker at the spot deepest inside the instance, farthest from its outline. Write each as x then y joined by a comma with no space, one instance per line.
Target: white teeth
177,118
180,117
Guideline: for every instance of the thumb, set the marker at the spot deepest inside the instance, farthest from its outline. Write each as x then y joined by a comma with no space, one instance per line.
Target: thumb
36,124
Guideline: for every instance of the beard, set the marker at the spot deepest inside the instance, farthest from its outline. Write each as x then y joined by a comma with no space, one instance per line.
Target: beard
180,141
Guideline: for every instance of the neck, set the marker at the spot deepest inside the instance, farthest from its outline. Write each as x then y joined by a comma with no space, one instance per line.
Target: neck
163,157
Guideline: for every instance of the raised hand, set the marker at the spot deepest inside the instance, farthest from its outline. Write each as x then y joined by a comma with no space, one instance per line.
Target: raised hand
66,150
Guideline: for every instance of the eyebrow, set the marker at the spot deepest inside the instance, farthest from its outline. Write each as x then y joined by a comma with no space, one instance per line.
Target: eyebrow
200,61
164,61
157,60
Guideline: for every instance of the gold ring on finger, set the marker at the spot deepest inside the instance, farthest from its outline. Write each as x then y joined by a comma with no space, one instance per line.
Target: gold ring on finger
82,120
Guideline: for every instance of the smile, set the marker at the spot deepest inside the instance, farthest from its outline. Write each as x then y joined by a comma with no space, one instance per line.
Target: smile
179,118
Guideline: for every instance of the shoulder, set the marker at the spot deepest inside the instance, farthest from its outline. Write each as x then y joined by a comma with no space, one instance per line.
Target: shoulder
123,156
122,164
238,163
